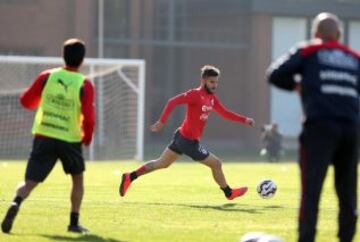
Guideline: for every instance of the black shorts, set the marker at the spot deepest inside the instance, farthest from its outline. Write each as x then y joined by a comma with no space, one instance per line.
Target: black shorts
46,151
191,148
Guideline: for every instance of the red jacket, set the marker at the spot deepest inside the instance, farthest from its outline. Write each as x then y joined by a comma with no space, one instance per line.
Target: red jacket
199,105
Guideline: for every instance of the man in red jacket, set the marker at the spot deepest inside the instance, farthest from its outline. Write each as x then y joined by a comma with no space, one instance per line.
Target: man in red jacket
64,120
200,102
329,91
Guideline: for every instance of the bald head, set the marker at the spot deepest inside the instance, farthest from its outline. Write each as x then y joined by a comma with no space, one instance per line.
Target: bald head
326,26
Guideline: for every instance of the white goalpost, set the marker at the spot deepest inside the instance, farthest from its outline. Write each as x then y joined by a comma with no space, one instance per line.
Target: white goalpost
120,102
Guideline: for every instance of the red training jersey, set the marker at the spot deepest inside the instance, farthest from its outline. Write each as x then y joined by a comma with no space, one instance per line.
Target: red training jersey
199,105
31,97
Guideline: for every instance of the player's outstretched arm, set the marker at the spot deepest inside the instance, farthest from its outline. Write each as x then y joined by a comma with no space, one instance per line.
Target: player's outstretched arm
227,114
183,98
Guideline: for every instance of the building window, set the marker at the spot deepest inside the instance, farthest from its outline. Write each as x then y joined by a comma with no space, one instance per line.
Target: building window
354,34
285,106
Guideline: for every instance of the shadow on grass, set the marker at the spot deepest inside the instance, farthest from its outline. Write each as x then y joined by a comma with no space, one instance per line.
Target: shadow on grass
274,207
228,207
85,238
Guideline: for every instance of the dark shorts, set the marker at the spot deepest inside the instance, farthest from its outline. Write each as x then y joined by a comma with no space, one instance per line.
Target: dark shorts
46,151
191,148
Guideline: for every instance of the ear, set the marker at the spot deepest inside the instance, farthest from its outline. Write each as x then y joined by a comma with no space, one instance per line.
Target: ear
202,81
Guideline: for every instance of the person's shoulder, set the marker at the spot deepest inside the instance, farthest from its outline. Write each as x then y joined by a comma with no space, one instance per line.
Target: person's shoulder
349,50
87,81
88,84
313,46
192,94
46,72
299,46
193,91
43,76
309,47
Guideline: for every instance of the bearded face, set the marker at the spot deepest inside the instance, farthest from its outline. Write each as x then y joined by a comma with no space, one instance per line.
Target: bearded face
211,83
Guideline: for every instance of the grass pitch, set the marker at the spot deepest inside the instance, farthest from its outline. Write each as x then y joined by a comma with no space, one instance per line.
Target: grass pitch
181,203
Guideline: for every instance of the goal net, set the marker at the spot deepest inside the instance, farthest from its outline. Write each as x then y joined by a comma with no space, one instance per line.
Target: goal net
120,96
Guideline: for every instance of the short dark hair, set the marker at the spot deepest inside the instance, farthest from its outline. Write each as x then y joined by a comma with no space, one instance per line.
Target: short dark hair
208,70
74,52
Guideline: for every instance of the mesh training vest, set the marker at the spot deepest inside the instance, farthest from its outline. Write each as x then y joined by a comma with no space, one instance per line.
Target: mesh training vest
59,113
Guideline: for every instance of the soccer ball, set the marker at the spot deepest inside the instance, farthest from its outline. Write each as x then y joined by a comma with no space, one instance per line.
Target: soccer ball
266,189
269,238
251,237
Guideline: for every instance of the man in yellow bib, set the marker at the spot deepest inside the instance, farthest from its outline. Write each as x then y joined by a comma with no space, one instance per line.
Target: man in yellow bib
64,120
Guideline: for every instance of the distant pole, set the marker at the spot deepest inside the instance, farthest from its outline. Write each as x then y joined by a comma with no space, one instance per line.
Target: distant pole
100,87
100,28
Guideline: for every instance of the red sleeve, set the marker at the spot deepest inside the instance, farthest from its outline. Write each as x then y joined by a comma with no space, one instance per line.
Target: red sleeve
186,97
225,113
88,111
31,97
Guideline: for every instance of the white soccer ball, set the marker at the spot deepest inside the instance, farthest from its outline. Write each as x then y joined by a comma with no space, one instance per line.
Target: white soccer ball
270,238
252,237
266,188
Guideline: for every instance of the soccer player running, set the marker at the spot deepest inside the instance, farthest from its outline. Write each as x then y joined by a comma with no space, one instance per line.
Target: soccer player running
329,92
64,120
200,102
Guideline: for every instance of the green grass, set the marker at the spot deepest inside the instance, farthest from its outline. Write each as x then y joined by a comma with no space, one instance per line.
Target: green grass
181,203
